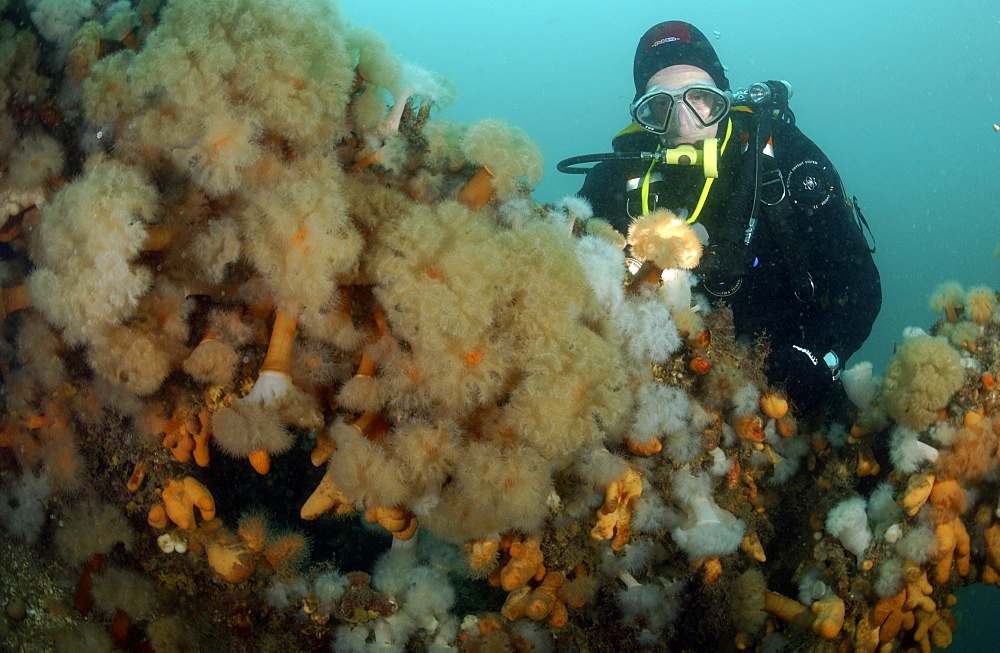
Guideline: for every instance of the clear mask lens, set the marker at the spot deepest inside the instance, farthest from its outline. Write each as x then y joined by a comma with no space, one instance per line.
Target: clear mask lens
654,110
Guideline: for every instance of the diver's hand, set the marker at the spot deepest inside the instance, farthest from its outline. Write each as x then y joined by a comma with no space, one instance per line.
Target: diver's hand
805,376
721,261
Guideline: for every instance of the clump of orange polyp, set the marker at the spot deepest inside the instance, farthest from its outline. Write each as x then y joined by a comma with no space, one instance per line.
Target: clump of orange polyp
701,340
544,600
711,570
368,160
482,555
260,460
644,448
137,477
478,190
700,365
750,428
231,560
285,551
254,530
773,405
13,299
647,274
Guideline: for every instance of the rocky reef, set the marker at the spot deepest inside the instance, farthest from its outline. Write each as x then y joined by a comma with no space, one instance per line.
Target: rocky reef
290,363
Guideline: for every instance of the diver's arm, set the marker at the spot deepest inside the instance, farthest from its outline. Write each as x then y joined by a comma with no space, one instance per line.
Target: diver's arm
855,290
840,316
847,280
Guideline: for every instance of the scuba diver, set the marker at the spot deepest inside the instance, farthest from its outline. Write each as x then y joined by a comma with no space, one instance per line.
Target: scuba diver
784,245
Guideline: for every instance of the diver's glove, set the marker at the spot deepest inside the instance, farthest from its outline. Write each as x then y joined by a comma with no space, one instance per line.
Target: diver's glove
721,260
721,269
808,378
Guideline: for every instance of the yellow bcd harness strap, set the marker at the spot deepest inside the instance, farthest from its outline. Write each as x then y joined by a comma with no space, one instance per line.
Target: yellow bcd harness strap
705,189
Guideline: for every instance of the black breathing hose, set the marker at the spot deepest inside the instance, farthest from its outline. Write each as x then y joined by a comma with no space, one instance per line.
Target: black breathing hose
571,166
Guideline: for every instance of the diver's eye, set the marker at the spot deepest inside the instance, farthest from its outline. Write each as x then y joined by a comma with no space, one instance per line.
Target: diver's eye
660,105
701,101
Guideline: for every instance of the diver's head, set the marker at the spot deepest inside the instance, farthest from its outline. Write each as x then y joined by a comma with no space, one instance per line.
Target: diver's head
675,56
671,43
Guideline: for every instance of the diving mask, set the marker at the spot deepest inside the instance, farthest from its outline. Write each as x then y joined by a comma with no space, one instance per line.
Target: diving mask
706,104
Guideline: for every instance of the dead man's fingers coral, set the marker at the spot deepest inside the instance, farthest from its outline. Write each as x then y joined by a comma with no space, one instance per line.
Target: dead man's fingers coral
773,405
526,562
829,616
615,516
788,610
953,547
397,520
918,491
918,590
752,547
543,598
888,617
825,617
326,498
231,561
181,497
